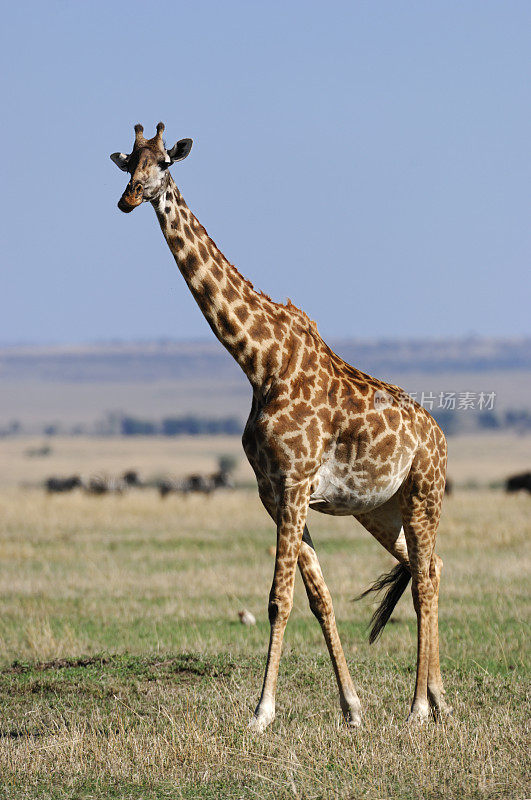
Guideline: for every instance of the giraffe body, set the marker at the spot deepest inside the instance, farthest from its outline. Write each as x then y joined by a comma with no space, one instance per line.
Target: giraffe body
347,474
320,435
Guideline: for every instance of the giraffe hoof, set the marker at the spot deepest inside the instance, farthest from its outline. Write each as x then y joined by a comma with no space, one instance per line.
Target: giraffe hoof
352,717
260,720
439,707
419,714
442,711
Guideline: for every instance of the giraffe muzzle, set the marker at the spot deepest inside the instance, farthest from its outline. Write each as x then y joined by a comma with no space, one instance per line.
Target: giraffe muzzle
131,198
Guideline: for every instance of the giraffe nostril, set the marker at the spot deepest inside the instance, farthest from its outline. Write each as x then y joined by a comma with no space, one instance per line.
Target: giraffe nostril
132,196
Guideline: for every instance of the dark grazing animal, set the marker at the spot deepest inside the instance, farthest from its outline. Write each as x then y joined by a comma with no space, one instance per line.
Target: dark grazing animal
54,484
222,480
131,478
105,484
204,484
192,483
166,486
517,482
199,483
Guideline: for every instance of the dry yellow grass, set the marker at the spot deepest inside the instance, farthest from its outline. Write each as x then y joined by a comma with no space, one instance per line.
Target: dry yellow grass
154,588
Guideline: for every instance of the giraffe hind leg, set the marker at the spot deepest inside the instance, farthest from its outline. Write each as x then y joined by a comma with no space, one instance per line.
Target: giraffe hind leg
421,506
435,685
385,524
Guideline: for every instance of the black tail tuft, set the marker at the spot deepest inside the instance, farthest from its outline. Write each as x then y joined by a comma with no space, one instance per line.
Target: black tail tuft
395,582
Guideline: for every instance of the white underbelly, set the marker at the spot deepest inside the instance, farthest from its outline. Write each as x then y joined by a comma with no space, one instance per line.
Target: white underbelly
353,493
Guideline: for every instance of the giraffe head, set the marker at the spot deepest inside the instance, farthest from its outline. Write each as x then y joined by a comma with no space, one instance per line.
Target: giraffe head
148,164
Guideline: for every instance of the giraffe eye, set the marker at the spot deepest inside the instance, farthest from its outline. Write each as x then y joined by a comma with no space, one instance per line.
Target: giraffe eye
163,164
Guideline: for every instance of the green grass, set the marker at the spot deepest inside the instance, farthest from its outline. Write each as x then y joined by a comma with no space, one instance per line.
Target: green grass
125,673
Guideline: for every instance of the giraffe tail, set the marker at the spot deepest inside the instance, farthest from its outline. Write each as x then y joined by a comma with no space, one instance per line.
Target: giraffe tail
394,582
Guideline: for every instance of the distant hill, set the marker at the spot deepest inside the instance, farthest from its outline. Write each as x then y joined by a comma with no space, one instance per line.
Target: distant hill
87,387
166,360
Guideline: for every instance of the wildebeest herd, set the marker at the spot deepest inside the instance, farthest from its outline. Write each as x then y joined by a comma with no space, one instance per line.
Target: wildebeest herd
101,484
202,483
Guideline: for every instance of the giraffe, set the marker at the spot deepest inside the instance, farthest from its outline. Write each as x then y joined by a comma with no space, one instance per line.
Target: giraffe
320,435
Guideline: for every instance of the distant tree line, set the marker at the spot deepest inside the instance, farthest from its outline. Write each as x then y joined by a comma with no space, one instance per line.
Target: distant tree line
189,425
118,423
452,421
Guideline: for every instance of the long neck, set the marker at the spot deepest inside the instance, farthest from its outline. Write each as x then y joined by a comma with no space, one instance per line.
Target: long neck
251,326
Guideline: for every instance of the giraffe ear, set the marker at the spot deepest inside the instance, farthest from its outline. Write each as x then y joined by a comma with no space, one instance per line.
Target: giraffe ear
121,160
180,150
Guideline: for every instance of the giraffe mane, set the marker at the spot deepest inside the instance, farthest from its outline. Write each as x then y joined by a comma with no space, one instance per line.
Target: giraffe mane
287,306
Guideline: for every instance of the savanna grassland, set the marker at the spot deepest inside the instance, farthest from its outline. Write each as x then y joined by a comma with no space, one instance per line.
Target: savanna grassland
125,672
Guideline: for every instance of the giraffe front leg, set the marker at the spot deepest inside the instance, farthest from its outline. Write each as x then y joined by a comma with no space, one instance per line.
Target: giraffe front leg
321,605
291,517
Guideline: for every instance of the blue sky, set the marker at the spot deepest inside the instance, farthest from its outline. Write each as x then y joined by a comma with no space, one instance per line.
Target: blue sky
368,160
